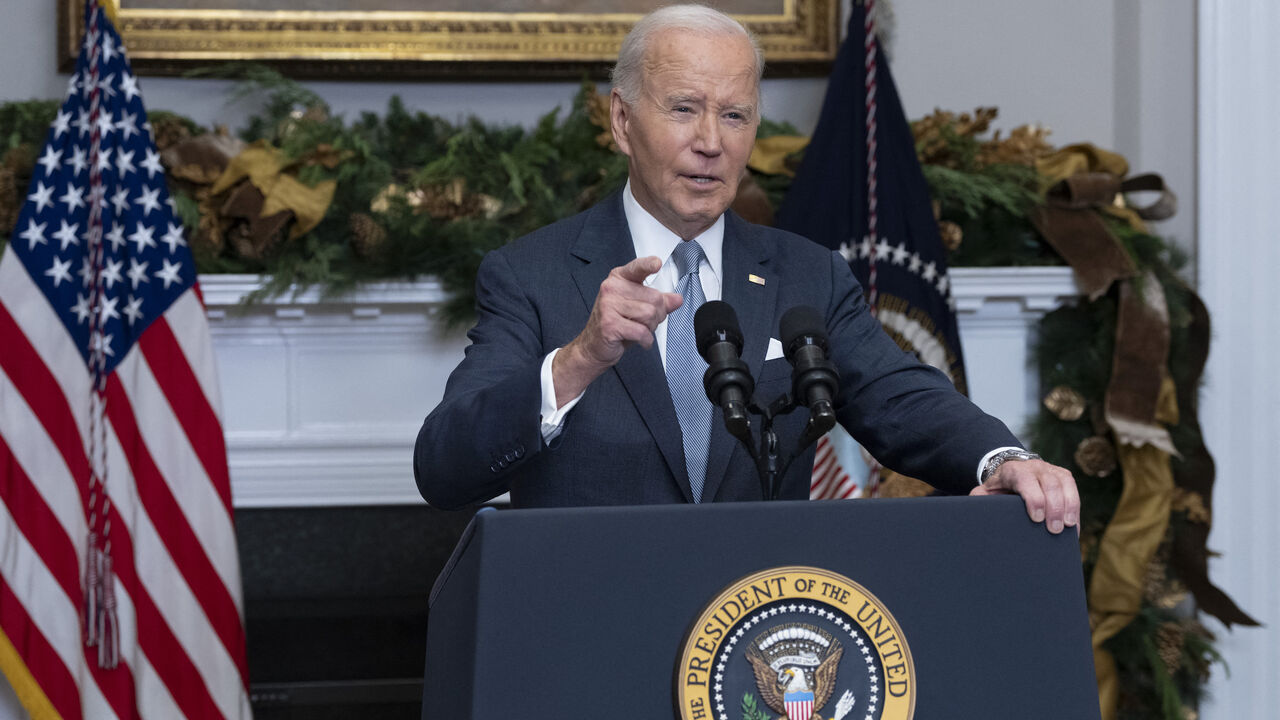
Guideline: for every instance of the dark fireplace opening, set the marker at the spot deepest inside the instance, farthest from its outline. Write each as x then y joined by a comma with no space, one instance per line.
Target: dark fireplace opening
336,607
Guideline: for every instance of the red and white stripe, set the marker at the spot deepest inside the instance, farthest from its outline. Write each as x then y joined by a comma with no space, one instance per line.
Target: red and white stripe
830,480
798,709
177,578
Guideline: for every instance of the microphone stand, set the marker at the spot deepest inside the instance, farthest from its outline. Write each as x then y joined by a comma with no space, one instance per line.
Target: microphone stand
729,384
768,466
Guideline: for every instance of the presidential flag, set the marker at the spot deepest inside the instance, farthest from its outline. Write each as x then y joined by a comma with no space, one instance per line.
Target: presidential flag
859,190
119,579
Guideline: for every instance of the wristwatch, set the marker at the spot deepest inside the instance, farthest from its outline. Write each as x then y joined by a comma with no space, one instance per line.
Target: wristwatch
1000,458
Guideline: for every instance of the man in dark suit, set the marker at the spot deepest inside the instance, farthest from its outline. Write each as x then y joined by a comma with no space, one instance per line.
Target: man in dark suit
565,396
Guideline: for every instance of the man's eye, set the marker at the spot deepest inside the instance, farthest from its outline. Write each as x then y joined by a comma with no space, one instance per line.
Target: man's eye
682,109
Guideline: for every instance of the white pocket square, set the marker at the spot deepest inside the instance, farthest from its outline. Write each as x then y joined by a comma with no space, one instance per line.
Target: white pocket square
775,350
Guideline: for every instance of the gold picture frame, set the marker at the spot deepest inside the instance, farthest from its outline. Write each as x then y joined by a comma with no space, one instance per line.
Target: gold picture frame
799,37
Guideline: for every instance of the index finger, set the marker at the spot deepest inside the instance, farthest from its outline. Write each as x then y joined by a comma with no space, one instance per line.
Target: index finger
640,268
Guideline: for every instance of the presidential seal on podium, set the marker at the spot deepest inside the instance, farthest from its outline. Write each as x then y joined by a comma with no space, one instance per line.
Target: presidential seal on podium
795,643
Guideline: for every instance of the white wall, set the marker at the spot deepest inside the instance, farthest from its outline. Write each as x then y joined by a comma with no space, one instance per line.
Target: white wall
1116,73
1240,179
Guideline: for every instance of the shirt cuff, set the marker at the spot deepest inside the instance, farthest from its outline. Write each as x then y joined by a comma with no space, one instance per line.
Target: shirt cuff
981,464
553,417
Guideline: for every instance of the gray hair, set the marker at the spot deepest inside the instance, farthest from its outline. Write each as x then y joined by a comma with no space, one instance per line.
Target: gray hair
695,18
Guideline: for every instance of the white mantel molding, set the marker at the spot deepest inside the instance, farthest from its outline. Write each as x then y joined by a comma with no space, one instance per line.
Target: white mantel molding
222,292
323,395
1033,289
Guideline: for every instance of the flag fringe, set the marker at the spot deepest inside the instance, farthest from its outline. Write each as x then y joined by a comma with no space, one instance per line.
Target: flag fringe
102,628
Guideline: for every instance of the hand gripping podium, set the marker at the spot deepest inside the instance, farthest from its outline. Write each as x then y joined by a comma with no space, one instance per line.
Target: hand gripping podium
937,608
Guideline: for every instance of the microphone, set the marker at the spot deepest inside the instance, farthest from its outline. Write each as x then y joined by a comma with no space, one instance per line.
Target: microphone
727,380
814,381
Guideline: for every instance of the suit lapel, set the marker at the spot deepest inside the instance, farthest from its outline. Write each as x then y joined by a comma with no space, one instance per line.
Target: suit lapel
745,255
605,243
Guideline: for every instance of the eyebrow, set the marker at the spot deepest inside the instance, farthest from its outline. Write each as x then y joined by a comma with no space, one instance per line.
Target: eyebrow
747,109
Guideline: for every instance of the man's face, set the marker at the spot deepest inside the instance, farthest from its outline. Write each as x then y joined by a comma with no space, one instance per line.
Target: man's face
689,134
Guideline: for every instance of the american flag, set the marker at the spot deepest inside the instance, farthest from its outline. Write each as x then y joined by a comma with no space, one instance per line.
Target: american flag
830,478
119,579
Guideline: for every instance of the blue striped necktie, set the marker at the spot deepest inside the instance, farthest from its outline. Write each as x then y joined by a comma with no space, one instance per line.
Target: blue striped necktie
685,367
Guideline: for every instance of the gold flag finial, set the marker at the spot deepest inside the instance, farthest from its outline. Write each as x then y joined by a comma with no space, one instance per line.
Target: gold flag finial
111,8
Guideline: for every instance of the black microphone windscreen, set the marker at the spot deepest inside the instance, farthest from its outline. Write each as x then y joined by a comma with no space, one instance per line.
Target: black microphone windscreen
799,322
712,319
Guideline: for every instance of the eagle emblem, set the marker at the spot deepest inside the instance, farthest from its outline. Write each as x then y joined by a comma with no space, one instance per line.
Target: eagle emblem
795,667
795,643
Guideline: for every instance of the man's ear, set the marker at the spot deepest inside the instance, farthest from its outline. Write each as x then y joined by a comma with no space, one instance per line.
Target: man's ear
619,115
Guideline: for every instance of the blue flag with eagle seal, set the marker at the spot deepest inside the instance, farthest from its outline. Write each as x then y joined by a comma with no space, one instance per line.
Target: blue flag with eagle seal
890,239
828,203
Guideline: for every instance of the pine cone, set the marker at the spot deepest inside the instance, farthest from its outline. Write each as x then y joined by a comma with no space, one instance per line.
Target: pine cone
1096,456
168,130
1065,402
598,113
951,234
1024,146
452,201
367,235
20,159
1158,588
1169,640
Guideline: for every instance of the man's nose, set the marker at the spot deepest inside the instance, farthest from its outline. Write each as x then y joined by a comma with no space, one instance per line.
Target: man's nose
707,135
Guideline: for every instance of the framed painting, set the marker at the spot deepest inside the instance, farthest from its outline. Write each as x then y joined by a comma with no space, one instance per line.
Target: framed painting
430,38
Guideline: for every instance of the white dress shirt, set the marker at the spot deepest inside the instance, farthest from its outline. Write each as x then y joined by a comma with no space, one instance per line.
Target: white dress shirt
649,237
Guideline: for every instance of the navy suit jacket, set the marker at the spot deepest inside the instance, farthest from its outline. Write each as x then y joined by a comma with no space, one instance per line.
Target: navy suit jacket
621,444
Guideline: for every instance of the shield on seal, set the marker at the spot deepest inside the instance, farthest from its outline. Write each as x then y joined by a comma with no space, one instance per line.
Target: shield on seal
799,705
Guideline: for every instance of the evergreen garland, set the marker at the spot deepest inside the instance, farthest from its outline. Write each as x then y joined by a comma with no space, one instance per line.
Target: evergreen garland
23,126
417,195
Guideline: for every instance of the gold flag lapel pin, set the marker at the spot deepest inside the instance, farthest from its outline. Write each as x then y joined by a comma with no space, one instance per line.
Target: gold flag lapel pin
755,279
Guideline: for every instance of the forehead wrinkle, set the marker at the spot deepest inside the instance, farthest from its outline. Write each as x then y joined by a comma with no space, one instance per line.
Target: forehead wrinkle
662,57
680,96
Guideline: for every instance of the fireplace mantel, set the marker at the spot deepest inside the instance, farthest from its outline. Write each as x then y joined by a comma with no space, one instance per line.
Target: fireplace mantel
323,396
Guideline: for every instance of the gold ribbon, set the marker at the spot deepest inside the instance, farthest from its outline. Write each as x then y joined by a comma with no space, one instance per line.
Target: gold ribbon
1127,545
1071,160
769,155
1084,175
264,166
1085,180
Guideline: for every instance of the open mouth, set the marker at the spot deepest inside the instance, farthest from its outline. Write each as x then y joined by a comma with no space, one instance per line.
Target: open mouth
702,179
